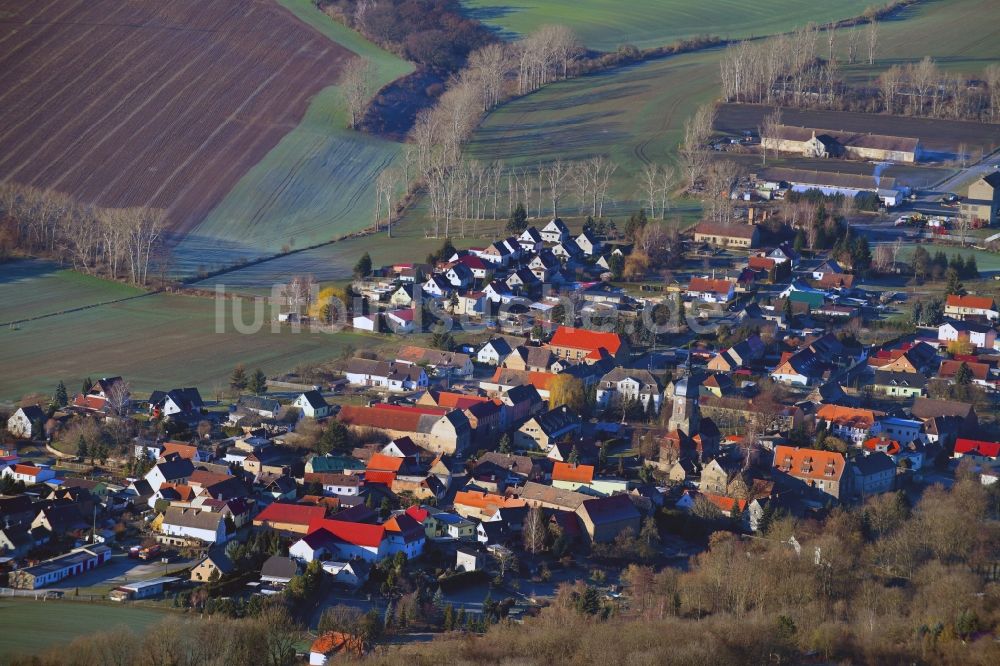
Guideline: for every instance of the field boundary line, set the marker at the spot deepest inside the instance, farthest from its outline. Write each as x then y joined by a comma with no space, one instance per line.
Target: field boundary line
14,322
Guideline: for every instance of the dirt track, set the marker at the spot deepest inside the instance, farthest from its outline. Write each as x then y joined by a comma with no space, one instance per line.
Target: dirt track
165,104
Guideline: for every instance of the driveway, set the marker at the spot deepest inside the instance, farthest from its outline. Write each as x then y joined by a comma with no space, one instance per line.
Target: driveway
119,571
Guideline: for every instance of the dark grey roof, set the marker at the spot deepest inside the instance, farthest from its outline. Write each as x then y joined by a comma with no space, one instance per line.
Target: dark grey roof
315,399
277,566
873,463
907,379
180,468
192,518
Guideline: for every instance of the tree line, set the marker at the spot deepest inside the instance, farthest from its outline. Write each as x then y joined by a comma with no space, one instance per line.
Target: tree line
116,243
802,70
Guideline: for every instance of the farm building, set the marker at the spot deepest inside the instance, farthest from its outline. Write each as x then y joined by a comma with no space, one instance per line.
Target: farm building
815,142
142,589
983,201
832,183
731,235
56,569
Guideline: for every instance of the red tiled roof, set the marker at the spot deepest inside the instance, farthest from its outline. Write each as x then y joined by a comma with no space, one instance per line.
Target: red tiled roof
987,449
379,418
421,409
581,338
27,470
761,263
295,514
709,285
93,402
418,514
981,302
562,471
949,369
380,476
357,534
181,449
206,478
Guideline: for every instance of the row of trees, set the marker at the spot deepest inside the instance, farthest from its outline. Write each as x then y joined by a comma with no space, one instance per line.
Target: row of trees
801,69
118,243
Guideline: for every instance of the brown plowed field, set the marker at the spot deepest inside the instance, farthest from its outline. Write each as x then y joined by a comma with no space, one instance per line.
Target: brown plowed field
162,103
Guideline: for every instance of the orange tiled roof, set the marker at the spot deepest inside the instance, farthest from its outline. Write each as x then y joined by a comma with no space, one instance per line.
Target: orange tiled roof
384,463
483,500
457,400
581,338
873,443
181,449
725,503
563,471
809,463
981,302
858,418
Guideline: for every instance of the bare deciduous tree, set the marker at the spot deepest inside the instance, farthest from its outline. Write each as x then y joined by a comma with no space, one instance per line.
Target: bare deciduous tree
357,87
872,40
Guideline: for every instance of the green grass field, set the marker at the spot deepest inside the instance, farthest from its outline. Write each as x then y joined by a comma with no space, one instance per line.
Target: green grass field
316,184
32,626
334,262
34,288
633,115
960,35
987,262
606,24
157,341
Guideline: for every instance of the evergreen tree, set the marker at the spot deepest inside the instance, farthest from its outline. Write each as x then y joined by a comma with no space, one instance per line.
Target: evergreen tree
574,456
921,264
238,379
449,617
88,384
61,398
963,376
800,241
258,382
954,285
971,268
916,313
504,443
933,312
518,221
364,266
786,311
602,456
81,448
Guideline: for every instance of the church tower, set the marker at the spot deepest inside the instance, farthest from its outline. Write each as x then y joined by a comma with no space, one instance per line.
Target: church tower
685,417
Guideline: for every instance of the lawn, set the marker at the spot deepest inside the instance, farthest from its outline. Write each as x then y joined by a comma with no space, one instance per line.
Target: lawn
315,185
606,24
159,341
31,626
987,262
34,288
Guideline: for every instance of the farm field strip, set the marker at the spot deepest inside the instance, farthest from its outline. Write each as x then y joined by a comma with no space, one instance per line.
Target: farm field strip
316,184
163,340
606,24
31,288
185,98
